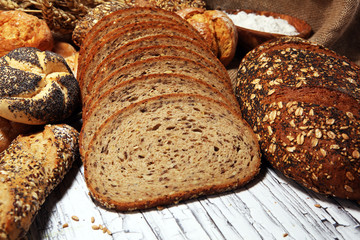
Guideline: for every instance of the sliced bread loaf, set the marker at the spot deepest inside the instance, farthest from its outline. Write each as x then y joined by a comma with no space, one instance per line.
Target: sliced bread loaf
105,66
149,52
164,64
138,89
167,149
129,33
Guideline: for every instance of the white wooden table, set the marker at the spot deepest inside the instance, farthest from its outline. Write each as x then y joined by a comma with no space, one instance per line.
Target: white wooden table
270,207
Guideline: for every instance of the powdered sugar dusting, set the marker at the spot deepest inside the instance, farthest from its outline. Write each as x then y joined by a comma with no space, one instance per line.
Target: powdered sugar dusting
263,23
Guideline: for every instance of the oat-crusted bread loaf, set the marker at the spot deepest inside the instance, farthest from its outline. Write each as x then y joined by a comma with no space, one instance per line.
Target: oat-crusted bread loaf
30,169
138,89
164,64
106,66
168,149
126,34
37,87
303,101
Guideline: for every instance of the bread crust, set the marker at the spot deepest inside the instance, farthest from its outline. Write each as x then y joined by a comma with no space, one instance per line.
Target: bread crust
303,101
30,169
19,29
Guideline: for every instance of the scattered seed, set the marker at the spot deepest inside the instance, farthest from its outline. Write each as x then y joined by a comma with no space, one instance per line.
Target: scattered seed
92,219
317,205
65,225
95,227
75,218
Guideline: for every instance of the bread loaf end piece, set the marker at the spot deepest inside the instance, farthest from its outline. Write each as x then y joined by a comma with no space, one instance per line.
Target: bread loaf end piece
168,149
29,170
303,102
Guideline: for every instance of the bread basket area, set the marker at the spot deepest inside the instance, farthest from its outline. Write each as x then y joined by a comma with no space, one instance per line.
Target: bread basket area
152,119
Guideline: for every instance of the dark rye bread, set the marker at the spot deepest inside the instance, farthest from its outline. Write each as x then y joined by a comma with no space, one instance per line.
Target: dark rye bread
149,52
164,64
303,102
156,40
138,89
168,149
129,33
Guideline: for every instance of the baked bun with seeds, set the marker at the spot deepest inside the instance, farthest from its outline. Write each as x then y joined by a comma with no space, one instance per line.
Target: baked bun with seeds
216,28
37,87
303,102
30,169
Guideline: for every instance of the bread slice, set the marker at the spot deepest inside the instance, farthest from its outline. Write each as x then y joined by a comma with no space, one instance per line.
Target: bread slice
164,64
105,67
30,168
138,89
168,149
151,52
129,33
116,19
303,101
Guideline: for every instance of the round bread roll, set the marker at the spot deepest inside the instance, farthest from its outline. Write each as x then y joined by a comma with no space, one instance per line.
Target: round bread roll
69,53
216,28
19,29
37,87
10,130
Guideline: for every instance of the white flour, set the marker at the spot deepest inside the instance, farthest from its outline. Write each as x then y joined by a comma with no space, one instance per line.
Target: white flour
263,23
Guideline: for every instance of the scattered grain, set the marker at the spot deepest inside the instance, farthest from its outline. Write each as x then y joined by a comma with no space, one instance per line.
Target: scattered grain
75,218
65,225
317,205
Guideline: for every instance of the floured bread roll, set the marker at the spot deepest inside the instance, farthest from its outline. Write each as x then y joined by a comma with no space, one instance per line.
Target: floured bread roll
37,87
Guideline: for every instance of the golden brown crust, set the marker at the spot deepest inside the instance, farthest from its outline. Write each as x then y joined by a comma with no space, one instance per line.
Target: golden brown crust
69,53
30,169
19,29
216,28
10,130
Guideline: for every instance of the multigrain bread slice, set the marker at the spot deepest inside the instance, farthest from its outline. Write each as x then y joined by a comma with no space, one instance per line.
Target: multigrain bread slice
152,53
303,102
164,64
138,89
168,149
156,40
30,169
129,33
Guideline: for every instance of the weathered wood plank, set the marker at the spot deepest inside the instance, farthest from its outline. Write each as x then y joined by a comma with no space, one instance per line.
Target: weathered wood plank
270,207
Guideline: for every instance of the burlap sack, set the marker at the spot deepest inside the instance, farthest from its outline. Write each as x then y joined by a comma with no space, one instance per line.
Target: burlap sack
335,23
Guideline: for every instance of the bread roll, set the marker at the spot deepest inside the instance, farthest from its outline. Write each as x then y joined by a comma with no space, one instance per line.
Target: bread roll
29,170
69,53
10,130
19,29
303,101
216,28
37,87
